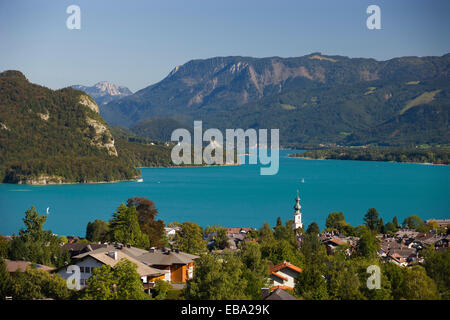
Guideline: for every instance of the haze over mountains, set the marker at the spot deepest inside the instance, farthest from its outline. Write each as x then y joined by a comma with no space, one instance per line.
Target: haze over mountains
312,99
104,91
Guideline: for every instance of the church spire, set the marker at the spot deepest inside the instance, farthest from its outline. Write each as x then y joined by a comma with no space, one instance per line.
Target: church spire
297,214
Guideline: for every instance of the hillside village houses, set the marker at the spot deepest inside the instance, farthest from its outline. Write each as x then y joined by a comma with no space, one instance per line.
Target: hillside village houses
167,265
401,248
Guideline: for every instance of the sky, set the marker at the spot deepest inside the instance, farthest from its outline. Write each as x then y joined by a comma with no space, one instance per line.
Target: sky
136,43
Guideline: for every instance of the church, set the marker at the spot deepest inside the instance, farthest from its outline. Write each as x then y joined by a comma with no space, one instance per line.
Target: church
297,214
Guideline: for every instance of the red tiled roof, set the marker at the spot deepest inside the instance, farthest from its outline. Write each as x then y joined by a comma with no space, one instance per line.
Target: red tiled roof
281,287
285,265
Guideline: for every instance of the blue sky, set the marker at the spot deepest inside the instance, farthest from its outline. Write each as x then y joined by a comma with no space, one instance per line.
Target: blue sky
137,43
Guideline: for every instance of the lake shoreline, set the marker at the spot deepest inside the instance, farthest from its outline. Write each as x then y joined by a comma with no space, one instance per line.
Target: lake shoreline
424,163
114,181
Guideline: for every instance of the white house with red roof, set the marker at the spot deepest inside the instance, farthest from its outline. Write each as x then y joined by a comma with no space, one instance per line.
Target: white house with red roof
283,275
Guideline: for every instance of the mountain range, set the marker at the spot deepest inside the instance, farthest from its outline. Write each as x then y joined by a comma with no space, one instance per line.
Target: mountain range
313,99
104,91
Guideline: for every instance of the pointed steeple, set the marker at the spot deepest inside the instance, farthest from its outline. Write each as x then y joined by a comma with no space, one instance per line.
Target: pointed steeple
297,214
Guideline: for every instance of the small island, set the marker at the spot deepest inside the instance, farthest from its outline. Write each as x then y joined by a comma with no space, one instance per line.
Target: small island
387,154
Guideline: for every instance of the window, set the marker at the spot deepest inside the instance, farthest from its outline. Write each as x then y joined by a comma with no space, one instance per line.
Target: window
87,269
82,269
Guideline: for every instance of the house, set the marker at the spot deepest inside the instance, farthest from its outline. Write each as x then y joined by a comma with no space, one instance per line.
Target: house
283,275
238,230
277,294
177,266
21,266
425,239
110,255
170,232
236,236
402,257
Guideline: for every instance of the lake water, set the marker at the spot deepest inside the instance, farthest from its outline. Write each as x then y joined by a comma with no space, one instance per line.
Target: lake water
239,196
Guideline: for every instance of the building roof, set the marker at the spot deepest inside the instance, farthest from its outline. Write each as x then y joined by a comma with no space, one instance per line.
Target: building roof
21,266
279,294
129,250
238,230
105,258
285,265
166,258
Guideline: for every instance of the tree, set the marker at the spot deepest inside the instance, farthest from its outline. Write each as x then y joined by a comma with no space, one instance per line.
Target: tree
256,269
368,243
266,233
125,227
390,228
4,247
414,222
121,283
311,284
437,266
100,286
395,222
146,213
38,284
37,245
5,280
129,284
371,219
97,231
63,239
396,276
313,228
161,289
221,239
189,239
279,222
217,279
335,221
34,222
313,251
382,228
343,280
418,286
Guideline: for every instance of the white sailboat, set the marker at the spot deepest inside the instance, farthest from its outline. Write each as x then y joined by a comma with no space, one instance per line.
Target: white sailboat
48,210
140,180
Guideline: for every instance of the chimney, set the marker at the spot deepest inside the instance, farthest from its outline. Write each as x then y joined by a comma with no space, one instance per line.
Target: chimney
112,254
265,293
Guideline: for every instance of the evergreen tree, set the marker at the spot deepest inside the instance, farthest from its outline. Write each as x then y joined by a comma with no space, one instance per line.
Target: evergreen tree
313,228
371,219
124,227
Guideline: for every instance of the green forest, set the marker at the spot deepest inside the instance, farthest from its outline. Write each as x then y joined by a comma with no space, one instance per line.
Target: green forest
426,155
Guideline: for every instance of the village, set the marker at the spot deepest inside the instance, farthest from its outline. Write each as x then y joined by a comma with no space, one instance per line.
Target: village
169,264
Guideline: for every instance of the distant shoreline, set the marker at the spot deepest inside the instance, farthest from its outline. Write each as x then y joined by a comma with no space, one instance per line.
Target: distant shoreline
385,161
116,181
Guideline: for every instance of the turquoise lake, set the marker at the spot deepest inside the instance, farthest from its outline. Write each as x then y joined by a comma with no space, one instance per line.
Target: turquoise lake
239,196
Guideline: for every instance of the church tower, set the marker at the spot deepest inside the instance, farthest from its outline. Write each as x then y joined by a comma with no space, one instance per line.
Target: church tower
297,214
